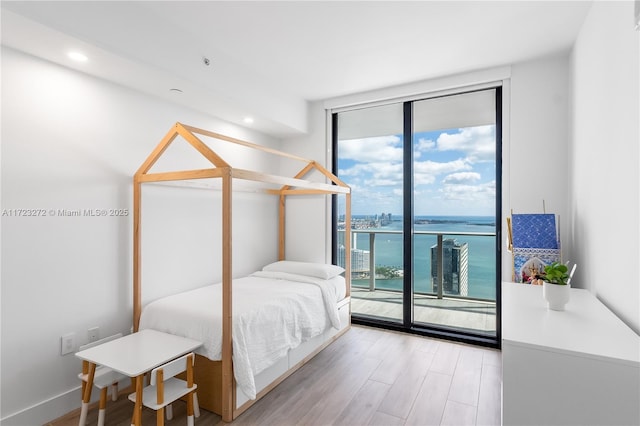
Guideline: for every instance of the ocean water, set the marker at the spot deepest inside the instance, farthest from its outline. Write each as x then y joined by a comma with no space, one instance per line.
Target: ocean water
481,254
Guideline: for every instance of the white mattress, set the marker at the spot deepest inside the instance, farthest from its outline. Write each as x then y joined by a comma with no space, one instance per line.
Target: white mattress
272,313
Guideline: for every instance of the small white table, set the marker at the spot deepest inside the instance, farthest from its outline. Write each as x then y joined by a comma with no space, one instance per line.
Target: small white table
134,355
580,366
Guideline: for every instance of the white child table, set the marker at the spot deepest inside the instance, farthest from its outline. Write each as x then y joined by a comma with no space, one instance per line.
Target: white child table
134,355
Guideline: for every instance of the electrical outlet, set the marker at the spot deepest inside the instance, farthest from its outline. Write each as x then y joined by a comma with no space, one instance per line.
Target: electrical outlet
67,343
93,334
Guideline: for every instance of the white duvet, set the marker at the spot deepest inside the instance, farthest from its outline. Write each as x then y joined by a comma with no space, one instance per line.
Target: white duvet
272,313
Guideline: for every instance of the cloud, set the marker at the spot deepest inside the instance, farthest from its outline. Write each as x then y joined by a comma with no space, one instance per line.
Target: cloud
425,145
372,171
356,170
485,191
423,179
374,174
438,168
370,200
425,172
478,143
375,149
391,174
460,178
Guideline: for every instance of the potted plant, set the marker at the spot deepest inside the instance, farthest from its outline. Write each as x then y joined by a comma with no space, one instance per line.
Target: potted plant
555,287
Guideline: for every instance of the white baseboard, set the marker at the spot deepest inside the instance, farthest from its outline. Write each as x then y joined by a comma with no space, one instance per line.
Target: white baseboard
45,411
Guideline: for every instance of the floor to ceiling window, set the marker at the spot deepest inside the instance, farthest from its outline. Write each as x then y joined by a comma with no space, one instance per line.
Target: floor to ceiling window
425,179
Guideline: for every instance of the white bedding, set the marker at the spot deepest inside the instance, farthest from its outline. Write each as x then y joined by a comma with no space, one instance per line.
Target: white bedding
272,313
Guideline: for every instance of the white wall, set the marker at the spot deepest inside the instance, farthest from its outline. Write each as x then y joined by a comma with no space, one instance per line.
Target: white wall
70,141
604,162
536,169
305,242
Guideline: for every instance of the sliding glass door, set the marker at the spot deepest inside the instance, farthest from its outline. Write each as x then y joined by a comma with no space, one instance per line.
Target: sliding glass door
426,212
454,212
370,159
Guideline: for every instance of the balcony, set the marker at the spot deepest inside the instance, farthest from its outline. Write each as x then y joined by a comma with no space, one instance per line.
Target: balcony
459,294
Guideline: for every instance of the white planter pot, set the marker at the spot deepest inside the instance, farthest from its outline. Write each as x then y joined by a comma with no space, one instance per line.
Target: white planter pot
556,295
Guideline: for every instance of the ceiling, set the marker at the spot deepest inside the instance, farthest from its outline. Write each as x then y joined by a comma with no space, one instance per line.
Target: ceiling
269,59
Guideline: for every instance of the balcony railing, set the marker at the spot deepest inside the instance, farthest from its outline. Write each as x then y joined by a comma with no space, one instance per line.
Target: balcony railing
439,293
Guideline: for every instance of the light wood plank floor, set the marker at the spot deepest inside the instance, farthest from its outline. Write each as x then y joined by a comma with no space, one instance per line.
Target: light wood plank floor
367,377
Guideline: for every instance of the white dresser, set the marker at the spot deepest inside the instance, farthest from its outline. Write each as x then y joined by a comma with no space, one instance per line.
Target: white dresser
580,366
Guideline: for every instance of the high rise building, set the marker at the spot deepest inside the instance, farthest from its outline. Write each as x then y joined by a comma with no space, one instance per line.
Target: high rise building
455,267
359,259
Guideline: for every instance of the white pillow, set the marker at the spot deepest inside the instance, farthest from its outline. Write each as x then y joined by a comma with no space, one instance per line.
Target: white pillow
318,270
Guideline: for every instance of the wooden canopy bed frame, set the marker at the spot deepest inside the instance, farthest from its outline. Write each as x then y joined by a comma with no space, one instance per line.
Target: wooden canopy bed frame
218,376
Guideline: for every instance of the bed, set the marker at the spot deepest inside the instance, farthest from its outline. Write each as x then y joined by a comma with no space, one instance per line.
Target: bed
257,329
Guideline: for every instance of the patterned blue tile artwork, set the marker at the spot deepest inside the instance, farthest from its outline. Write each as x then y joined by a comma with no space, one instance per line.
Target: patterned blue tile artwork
534,231
535,244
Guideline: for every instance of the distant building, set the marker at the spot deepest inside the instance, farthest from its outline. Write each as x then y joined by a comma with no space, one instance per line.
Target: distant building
359,259
455,268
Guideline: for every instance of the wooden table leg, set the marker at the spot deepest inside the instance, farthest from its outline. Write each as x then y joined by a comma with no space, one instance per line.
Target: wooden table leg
86,395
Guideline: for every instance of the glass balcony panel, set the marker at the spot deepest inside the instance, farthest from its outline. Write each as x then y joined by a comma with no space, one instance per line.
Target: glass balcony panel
468,300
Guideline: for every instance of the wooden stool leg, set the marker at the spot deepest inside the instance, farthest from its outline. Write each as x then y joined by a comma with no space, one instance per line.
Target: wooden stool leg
196,406
114,391
102,406
190,404
83,414
86,395
160,417
190,409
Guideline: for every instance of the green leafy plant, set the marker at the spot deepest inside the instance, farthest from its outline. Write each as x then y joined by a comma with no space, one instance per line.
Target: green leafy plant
556,273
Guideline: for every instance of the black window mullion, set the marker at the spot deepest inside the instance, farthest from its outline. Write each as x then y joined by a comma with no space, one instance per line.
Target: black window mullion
498,216
407,294
334,197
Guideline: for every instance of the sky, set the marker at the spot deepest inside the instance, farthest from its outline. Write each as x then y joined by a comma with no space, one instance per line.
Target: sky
454,172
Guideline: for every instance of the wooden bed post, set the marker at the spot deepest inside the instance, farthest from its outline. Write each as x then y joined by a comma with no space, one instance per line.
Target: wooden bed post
137,205
227,390
137,291
281,228
347,243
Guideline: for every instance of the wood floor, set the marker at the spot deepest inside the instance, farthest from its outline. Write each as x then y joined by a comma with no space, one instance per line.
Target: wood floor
367,377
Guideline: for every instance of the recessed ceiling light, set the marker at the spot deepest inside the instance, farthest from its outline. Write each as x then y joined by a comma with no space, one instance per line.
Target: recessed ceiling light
248,120
77,56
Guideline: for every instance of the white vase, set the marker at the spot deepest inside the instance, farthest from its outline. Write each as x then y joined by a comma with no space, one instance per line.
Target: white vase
556,295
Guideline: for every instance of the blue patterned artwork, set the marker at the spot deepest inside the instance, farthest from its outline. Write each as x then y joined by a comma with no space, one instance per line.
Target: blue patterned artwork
535,244
534,231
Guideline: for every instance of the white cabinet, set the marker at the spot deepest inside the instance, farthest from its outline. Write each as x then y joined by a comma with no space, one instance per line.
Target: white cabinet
580,366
